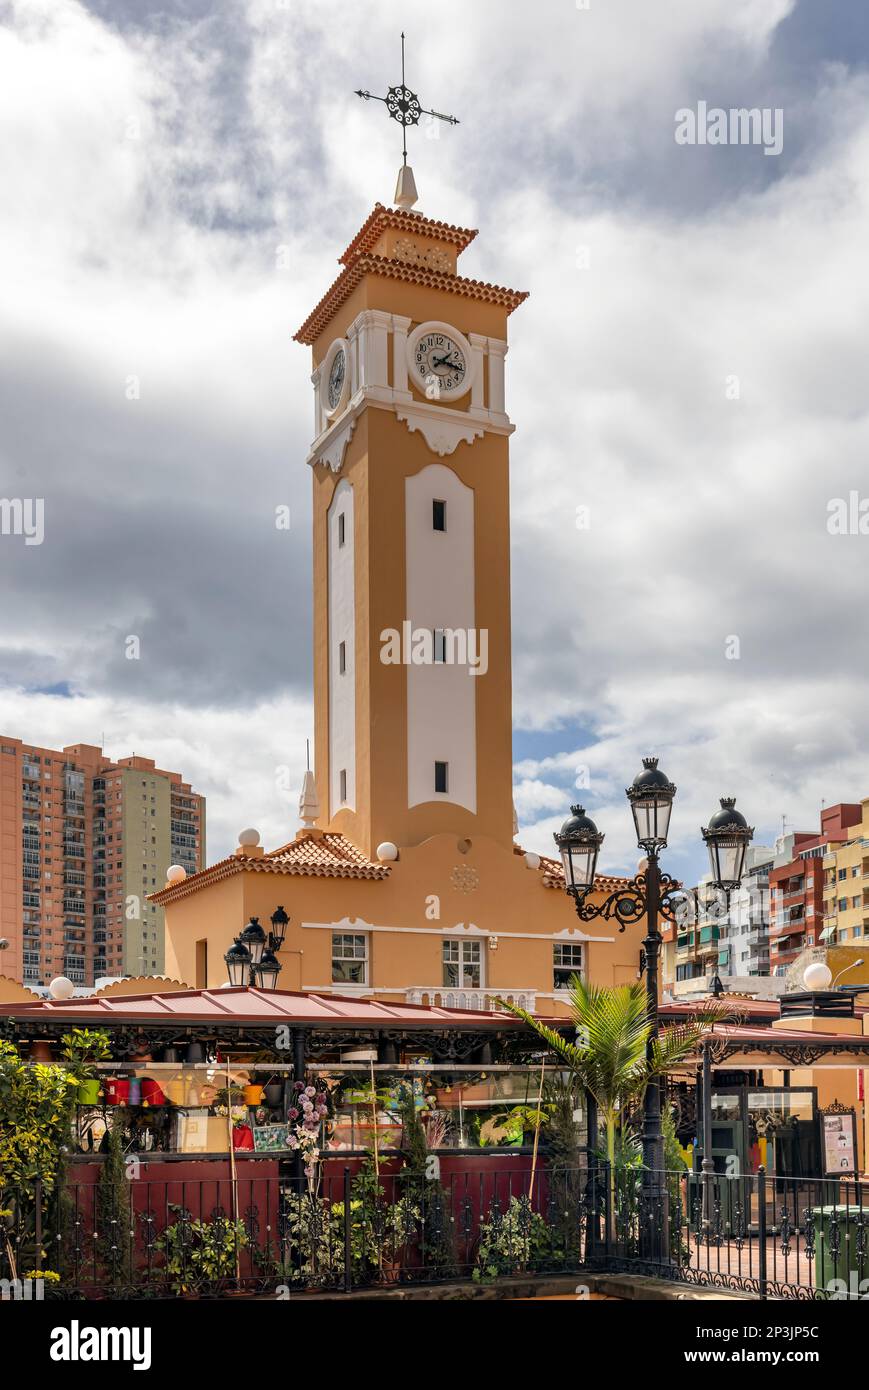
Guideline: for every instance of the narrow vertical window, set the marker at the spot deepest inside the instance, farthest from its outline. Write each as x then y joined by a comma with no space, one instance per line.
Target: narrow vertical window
342,781
441,777
342,657
438,514
340,528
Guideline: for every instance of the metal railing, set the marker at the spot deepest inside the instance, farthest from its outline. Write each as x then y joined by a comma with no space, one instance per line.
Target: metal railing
356,1227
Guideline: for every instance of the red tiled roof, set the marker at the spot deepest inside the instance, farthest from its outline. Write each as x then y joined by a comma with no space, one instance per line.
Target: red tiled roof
383,217
323,856
366,264
247,1005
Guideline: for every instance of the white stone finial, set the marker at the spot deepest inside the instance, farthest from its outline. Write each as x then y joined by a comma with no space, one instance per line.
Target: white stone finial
309,803
405,189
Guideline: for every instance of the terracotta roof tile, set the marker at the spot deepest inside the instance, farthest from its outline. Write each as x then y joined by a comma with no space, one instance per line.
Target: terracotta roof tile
383,217
349,278
322,856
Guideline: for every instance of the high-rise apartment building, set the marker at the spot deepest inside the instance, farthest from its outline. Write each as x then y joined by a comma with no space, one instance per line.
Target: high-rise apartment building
797,887
83,841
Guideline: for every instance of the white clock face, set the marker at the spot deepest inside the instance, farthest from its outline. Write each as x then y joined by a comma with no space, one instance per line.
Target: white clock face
439,364
337,373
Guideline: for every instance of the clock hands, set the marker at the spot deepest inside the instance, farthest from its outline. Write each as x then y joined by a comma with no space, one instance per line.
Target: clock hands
445,361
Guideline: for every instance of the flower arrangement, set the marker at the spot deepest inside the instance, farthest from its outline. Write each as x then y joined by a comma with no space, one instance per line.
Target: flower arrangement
238,1113
310,1107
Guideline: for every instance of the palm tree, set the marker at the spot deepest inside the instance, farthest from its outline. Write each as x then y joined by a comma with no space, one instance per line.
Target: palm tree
609,1057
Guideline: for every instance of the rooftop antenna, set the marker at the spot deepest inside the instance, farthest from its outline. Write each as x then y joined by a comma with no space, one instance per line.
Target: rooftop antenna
404,106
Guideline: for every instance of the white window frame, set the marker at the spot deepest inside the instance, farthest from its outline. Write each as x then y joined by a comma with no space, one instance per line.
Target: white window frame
466,956
571,947
351,942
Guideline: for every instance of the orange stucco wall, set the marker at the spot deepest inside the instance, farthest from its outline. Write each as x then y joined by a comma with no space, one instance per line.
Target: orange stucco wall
487,892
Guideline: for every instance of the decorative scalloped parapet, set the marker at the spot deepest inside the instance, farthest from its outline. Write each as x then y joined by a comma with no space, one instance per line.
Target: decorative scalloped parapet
442,433
141,984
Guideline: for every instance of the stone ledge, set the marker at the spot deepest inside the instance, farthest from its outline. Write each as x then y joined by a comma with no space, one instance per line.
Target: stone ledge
624,1287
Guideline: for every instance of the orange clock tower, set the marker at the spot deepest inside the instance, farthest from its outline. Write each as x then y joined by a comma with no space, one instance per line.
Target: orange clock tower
412,678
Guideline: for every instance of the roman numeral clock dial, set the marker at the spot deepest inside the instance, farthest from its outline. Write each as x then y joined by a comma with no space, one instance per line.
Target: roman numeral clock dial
333,379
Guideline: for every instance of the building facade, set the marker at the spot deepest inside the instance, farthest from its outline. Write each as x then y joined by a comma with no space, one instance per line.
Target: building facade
83,841
405,881
797,902
846,885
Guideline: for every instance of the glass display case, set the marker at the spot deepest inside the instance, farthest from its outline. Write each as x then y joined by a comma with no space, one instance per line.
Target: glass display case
460,1107
200,1108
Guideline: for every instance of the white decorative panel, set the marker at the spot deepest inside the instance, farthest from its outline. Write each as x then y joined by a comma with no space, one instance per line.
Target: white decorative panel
342,628
441,697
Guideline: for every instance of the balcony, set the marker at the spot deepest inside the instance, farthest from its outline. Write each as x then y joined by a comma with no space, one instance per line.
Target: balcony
757,938
448,997
792,894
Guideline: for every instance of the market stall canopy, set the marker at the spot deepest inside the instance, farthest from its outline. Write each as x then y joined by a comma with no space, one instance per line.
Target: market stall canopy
747,1045
246,1005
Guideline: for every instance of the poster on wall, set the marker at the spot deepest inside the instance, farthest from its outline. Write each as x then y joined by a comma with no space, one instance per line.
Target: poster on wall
840,1141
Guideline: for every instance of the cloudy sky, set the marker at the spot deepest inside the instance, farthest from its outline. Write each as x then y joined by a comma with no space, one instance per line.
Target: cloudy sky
691,369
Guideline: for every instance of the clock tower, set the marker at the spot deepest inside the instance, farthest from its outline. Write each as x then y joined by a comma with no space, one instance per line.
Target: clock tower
409,459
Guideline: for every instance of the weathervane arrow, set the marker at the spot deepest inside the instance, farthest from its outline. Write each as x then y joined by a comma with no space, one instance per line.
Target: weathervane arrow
404,106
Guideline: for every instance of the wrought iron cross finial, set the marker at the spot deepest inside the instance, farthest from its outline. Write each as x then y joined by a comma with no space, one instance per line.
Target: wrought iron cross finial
403,106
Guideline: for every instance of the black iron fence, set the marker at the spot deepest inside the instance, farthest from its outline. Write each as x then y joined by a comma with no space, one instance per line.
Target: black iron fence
766,1236
760,1234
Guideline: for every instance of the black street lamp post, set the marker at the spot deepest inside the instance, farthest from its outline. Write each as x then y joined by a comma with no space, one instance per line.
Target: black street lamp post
253,958
651,894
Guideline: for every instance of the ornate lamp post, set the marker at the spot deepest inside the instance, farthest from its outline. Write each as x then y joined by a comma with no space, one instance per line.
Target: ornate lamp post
651,894
253,959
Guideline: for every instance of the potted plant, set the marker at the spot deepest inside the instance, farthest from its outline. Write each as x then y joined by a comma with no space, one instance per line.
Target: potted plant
80,1049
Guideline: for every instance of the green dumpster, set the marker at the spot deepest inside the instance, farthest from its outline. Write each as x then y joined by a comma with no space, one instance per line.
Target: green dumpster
839,1226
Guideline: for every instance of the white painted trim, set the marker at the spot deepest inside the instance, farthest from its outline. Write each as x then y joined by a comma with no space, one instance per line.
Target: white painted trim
318,405
332,445
443,429
442,433
400,326
359,924
497,353
341,618
440,594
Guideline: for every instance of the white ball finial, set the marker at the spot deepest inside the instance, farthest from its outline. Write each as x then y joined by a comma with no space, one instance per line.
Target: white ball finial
248,838
61,988
387,852
176,873
817,975
532,861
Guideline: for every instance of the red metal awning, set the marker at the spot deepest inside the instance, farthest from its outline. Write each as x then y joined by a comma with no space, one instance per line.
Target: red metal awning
255,1006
